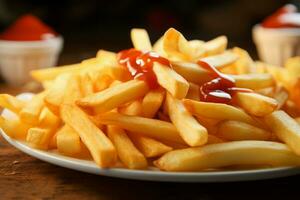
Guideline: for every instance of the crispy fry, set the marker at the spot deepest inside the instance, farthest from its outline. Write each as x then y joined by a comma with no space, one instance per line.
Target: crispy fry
100,147
281,95
14,128
133,108
11,103
153,128
39,137
140,39
217,111
215,46
114,96
188,127
48,120
72,91
55,94
228,154
51,73
198,48
244,64
86,85
255,104
176,46
171,81
194,73
152,102
127,152
68,141
30,113
235,130
109,65
253,81
286,129
149,147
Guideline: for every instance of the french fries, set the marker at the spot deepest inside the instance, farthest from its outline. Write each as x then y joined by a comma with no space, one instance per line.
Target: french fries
55,95
176,46
134,108
152,102
114,96
256,104
228,154
285,128
153,128
127,152
235,130
171,81
140,39
100,147
30,113
253,81
14,128
68,141
51,73
190,118
149,147
11,103
189,129
217,111
215,46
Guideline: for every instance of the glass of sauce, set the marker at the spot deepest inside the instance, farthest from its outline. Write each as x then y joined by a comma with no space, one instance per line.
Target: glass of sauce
277,38
26,45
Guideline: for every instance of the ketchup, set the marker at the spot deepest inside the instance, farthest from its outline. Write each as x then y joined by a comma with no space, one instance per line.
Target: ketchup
140,64
276,20
221,88
27,28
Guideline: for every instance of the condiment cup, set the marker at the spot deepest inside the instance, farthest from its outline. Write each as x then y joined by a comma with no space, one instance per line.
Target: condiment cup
276,45
18,58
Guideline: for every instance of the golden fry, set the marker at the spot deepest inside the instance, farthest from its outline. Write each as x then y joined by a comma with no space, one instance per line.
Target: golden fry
140,39
152,102
228,154
235,130
171,81
285,128
255,104
153,128
127,152
193,133
149,147
100,147
217,111
114,96
11,103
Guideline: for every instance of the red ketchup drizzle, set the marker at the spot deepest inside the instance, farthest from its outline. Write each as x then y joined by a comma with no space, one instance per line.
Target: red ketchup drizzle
274,21
140,64
220,89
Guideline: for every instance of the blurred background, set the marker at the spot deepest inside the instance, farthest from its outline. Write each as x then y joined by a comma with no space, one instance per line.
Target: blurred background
90,25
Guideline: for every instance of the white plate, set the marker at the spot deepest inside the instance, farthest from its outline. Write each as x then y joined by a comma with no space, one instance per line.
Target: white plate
152,174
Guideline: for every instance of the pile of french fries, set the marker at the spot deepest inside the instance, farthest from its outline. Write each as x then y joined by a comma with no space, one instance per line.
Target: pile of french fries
95,110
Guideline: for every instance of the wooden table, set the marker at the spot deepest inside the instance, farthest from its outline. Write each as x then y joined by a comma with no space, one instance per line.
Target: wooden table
24,177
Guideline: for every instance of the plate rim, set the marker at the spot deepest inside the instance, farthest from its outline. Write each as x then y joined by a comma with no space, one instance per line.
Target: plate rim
146,175
151,175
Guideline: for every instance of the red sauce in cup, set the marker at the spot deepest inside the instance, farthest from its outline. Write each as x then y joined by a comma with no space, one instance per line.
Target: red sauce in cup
276,20
28,28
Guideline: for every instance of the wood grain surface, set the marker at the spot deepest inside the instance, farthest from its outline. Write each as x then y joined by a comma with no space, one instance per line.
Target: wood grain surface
24,177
